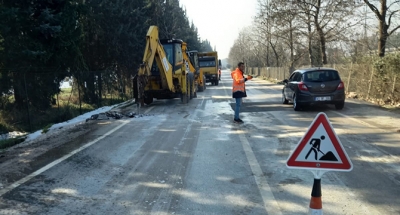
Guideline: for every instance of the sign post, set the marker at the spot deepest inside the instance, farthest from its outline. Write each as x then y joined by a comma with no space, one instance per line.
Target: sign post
319,151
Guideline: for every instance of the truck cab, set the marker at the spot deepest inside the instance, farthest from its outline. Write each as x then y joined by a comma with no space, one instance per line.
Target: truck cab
208,62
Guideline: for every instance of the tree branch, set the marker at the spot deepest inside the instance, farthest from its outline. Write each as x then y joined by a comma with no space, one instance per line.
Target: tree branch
390,17
393,30
374,9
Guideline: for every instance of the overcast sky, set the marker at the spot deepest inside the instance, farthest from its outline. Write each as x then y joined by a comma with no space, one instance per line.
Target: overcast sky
220,21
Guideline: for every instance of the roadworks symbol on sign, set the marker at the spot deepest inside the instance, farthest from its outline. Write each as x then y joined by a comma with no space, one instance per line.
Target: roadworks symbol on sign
320,148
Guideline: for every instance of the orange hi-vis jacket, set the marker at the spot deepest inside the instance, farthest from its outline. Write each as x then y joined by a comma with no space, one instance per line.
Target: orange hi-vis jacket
238,85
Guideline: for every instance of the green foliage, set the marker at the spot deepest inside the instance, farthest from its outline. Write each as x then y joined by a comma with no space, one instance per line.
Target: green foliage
46,128
206,46
98,42
44,41
11,142
393,41
38,39
172,21
3,128
389,64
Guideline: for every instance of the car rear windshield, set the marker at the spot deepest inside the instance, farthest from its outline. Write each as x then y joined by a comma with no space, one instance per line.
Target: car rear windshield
321,75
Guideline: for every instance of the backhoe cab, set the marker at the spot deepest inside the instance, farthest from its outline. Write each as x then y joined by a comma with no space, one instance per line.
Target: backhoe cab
169,77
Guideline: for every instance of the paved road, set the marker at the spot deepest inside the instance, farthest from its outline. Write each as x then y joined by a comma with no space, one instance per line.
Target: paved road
192,159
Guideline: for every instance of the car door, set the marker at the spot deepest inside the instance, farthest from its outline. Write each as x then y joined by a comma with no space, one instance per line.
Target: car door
288,87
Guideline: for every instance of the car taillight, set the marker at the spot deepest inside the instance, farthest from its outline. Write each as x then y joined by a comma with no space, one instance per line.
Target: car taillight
340,86
303,86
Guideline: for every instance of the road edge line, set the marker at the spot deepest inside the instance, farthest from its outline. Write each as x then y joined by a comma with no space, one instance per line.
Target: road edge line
59,160
270,203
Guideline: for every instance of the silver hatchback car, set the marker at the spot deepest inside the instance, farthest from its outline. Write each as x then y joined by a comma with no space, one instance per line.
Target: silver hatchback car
314,86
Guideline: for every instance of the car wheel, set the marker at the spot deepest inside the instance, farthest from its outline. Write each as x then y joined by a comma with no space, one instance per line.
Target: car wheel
296,106
284,100
339,106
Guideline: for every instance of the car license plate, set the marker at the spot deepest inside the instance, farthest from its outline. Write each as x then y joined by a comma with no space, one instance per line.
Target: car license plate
324,98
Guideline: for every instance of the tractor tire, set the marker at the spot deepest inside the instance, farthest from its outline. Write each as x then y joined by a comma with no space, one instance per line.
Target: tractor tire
192,91
185,96
200,88
204,82
148,99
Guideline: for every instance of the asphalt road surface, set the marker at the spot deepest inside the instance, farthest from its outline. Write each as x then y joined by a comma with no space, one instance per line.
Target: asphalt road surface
192,159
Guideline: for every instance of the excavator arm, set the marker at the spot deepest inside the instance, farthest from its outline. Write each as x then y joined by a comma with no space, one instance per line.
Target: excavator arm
187,58
164,72
154,51
193,64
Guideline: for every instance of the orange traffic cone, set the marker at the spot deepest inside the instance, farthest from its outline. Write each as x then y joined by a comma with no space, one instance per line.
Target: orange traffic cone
316,202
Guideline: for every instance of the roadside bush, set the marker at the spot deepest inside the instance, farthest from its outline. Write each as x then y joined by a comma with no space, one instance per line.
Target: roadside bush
46,128
3,128
10,142
386,86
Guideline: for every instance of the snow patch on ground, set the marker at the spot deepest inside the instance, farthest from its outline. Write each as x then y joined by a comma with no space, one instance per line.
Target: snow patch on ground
77,120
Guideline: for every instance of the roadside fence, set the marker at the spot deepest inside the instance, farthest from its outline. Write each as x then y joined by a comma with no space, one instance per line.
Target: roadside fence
360,80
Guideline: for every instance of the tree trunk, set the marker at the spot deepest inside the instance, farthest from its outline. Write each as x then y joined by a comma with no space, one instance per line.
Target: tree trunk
310,54
276,54
19,90
99,87
291,69
323,45
320,34
383,30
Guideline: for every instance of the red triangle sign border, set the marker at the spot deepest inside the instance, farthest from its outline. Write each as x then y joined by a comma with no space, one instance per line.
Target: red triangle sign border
345,165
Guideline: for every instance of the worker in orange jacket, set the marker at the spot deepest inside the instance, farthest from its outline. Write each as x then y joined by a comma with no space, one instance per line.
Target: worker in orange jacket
238,89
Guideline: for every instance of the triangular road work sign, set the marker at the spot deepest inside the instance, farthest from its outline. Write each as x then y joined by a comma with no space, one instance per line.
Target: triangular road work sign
320,149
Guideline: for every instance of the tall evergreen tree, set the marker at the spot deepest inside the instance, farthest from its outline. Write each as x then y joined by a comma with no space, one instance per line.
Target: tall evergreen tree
206,46
115,31
38,39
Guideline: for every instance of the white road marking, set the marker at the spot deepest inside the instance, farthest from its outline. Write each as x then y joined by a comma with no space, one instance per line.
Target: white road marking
148,110
387,155
358,121
270,203
52,164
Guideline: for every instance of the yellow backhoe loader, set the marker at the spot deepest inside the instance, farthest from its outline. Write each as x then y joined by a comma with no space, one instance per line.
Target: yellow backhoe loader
192,57
170,77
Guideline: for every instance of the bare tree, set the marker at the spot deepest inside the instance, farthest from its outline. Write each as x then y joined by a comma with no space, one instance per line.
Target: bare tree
238,50
275,24
289,30
330,19
385,15
267,45
278,21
